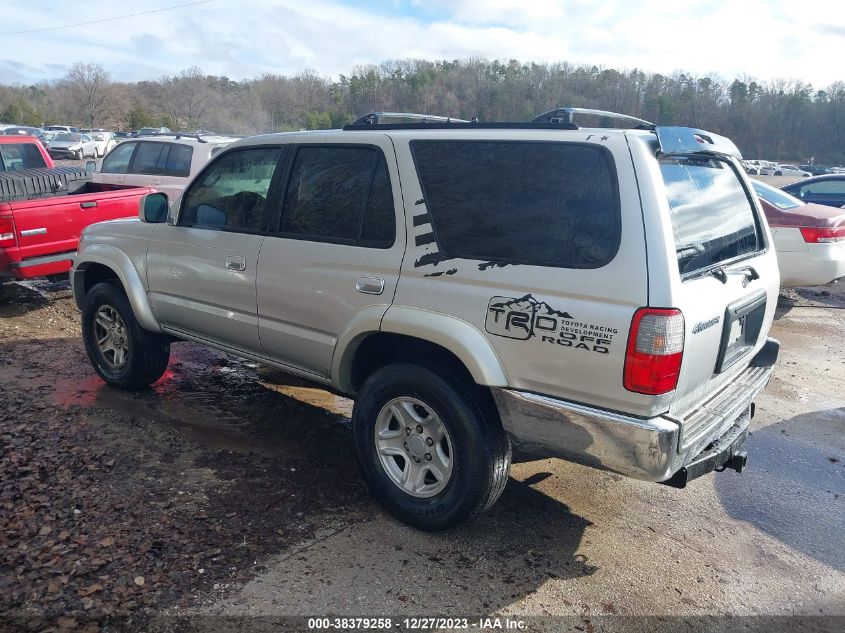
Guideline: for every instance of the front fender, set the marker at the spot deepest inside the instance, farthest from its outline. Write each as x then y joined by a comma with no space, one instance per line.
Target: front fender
121,264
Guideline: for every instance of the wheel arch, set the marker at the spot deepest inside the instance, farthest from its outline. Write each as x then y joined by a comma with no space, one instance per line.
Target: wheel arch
102,262
403,331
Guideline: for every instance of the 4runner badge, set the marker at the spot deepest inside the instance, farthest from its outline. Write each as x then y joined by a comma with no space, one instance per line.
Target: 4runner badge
527,318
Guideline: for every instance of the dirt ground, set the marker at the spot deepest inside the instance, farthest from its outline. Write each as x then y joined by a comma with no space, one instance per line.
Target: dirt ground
229,493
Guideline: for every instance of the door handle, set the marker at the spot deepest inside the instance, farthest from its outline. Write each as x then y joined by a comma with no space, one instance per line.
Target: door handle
370,285
88,205
235,262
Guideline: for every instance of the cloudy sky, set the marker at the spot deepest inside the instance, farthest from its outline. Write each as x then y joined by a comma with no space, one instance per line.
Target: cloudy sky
763,39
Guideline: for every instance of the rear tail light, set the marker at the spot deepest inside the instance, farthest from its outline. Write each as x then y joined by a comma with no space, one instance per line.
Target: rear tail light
823,236
7,231
655,349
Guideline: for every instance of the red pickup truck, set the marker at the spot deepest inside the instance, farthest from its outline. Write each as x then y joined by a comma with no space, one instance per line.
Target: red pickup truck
43,209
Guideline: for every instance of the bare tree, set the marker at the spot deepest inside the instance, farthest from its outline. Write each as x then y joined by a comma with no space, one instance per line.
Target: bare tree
90,83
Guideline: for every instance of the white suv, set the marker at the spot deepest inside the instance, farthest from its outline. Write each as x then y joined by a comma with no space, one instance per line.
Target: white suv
601,295
165,161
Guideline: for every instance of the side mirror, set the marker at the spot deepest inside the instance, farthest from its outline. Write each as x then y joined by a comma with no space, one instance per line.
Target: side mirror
90,166
154,208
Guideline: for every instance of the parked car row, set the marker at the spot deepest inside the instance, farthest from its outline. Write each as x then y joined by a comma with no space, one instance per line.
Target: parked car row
768,168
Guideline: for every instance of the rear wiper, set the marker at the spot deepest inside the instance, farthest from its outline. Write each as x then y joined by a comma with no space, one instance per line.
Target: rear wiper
721,274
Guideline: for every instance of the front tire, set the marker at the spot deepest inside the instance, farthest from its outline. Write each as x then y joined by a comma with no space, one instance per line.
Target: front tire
432,452
123,353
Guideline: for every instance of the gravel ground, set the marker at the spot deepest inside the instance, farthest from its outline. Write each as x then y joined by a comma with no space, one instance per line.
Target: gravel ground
229,491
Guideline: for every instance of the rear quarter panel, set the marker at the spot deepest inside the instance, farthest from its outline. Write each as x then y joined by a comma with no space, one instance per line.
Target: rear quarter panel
577,319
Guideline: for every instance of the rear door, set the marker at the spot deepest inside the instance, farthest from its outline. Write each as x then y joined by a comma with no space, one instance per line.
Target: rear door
333,260
722,270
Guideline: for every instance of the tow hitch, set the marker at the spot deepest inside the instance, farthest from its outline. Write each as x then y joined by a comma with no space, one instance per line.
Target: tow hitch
736,462
726,452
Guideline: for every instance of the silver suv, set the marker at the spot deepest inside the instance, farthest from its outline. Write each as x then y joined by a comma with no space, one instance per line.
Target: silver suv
601,295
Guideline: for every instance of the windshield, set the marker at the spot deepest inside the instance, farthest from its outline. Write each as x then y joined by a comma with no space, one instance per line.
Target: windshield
67,137
778,198
712,218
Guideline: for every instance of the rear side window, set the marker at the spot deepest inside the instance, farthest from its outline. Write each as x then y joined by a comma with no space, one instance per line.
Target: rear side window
117,160
546,204
340,194
231,194
18,156
177,161
713,219
147,158
162,159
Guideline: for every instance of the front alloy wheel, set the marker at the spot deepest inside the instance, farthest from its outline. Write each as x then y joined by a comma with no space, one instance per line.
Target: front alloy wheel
111,336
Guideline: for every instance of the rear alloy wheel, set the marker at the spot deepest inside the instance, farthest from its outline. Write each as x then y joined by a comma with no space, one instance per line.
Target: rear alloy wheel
414,447
122,352
432,449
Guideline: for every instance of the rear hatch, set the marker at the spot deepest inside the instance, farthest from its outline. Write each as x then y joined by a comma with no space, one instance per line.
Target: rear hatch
724,277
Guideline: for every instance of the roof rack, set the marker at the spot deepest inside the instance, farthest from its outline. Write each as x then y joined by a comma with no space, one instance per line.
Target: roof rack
377,118
200,137
564,115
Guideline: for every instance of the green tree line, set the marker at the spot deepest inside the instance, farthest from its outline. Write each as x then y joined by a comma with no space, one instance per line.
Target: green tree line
786,120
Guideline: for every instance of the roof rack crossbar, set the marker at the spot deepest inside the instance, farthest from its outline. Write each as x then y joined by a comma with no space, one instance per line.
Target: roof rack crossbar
178,135
564,115
376,118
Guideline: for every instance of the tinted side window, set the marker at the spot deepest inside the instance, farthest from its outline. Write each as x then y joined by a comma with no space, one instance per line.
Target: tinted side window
546,204
232,192
147,158
117,161
824,186
329,190
379,226
177,161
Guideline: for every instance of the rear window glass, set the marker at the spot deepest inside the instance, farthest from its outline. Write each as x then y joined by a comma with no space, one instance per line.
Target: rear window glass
541,203
712,218
16,157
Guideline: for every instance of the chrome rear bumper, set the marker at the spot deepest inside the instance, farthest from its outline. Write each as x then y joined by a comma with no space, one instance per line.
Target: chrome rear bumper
653,449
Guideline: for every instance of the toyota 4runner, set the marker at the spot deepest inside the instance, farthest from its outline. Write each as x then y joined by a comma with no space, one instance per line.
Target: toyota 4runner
597,294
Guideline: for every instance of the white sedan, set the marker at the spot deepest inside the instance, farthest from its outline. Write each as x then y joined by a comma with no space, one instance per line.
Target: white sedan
809,238
105,142
790,170
72,145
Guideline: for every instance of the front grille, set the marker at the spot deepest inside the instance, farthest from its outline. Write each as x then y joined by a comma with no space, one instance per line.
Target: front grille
723,408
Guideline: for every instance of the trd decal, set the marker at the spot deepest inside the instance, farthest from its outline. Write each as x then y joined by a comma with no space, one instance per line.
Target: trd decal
526,318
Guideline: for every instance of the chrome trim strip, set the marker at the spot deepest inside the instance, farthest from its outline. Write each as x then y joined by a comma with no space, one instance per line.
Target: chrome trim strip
39,231
47,259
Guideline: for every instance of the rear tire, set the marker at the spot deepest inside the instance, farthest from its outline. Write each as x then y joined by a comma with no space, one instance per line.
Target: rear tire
448,429
123,353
